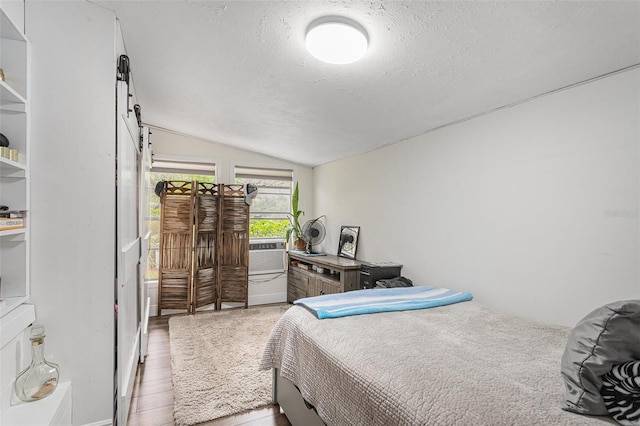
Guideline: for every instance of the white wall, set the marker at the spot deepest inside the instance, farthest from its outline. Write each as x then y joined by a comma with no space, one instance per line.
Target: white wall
164,143
73,195
533,208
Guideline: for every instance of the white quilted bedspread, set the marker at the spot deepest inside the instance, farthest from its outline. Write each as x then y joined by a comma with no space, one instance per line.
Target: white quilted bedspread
452,365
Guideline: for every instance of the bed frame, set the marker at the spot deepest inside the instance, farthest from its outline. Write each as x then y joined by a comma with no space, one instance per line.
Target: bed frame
298,411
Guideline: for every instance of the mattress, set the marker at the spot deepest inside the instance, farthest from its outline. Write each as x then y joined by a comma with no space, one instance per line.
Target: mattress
457,364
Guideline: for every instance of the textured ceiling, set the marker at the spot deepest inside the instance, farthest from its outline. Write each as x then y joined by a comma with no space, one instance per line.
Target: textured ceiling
237,72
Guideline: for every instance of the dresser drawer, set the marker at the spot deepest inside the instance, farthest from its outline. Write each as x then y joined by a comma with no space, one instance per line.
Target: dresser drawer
298,279
297,284
295,293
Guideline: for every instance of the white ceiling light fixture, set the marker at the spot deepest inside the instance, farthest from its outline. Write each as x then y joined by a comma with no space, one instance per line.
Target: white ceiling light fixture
336,40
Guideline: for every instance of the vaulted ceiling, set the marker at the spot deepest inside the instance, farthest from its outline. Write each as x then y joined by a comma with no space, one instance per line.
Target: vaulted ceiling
237,72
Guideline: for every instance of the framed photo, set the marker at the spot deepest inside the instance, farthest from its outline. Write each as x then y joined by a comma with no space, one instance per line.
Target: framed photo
348,244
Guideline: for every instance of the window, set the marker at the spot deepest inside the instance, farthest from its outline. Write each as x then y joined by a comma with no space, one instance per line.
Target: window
269,209
168,169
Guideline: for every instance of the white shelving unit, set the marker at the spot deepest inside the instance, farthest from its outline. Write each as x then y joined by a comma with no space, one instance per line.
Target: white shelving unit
14,175
15,313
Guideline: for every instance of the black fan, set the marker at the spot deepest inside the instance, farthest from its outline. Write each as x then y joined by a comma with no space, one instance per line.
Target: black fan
313,233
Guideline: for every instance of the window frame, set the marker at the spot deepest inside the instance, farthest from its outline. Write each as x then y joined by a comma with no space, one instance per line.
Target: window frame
266,166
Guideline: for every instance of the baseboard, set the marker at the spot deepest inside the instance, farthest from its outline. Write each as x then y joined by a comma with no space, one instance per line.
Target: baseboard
265,299
107,422
262,299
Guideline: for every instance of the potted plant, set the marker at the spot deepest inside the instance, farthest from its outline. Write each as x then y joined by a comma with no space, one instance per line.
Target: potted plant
294,222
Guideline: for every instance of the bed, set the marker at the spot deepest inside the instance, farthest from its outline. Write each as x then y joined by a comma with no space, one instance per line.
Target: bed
459,364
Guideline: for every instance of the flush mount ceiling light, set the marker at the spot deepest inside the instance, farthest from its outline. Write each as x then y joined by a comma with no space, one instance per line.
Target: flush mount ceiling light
336,40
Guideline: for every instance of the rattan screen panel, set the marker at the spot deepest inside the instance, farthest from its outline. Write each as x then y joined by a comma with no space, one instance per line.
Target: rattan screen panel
205,283
234,246
204,243
176,236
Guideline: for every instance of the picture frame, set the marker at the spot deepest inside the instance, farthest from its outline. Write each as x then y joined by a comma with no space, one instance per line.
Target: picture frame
348,243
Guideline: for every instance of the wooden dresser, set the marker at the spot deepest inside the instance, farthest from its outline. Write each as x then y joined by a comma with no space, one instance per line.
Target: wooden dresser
310,275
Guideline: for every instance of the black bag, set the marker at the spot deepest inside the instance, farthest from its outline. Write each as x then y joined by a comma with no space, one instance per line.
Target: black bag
394,282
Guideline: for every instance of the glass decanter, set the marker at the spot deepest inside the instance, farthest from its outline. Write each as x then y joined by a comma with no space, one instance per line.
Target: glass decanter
41,377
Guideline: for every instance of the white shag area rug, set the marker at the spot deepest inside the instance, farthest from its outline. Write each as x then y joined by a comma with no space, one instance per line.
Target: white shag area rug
214,362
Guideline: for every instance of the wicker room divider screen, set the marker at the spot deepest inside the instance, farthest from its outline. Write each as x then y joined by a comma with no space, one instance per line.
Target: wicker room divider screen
204,246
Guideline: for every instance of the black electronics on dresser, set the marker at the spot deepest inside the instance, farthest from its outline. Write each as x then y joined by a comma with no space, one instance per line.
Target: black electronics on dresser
370,273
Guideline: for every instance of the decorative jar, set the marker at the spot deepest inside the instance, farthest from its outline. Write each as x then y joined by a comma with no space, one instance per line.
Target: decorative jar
41,377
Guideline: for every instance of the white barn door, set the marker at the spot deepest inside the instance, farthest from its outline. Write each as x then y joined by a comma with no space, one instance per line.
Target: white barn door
145,299
128,250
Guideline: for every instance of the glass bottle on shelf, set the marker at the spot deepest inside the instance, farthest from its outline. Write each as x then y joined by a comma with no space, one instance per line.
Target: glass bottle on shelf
41,377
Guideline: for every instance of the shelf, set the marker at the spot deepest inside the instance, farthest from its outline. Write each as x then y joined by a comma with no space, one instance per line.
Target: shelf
8,30
8,304
21,232
11,101
10,168
328,276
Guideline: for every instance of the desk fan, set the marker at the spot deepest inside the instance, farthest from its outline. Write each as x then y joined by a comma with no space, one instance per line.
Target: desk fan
313,232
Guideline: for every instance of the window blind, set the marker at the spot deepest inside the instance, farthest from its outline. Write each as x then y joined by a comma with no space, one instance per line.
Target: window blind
187,167
242,172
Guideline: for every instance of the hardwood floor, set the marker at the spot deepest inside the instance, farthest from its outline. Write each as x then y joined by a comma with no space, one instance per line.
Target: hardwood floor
152,399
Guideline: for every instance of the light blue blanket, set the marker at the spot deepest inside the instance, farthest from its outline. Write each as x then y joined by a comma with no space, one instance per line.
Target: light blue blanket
381,300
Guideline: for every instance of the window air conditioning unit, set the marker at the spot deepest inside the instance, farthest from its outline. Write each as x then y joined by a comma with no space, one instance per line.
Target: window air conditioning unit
266,256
